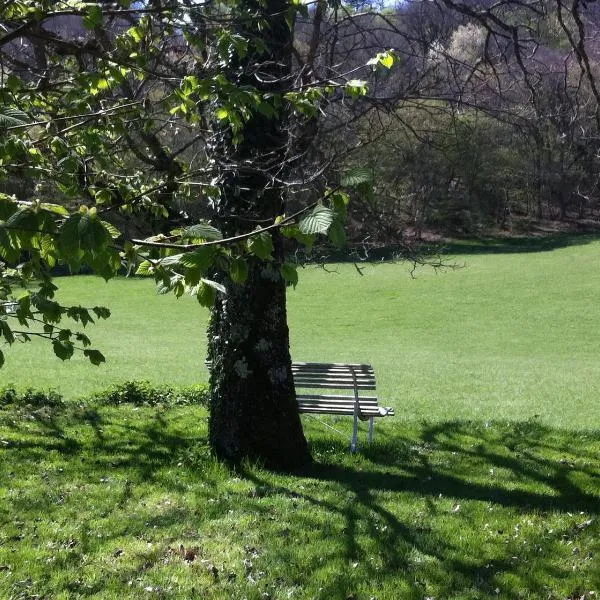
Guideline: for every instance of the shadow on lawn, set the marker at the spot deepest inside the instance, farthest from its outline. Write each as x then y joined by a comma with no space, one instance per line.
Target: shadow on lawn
469,246
514,245
468,461
528,469
460,507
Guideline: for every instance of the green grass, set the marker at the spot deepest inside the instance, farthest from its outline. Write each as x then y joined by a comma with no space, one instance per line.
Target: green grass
97,502
485,485
513,334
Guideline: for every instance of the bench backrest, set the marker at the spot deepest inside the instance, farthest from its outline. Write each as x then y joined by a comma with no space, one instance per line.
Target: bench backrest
343,385
333,376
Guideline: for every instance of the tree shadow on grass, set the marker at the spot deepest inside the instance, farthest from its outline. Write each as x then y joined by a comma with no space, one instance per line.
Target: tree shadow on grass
504,477
445,510
514,245
468,246
523,465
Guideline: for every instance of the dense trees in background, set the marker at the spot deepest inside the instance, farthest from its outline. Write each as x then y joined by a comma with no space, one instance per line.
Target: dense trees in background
490,123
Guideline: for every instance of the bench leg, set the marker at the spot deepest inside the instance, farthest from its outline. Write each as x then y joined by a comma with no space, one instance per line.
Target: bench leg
354,443
371,427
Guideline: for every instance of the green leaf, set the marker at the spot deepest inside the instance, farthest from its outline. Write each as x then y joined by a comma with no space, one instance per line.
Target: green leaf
201,231
339,202
13,83
50,310
93,18
7,206
12,117
112,230
192,277
261,245
57,209
145,268
63,349
356,88
356,177
317,221
206,294
238,270
69,234
136,33
384,59
102,196
78,313
202,258
266,109
64,335
6,332
387,60
293,232
96,357
101,312
289,273
84,339
337,234
172,260
214,284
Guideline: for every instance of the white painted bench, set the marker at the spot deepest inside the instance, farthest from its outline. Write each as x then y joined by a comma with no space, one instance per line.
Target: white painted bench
346,384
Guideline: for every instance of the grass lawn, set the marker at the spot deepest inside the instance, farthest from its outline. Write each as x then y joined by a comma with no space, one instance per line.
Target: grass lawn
510,335
99,502
485,485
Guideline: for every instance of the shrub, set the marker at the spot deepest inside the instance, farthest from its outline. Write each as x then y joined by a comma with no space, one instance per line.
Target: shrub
143,393
138,393
36,398
8,395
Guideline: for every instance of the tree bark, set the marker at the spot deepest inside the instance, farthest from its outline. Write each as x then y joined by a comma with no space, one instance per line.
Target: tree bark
254,413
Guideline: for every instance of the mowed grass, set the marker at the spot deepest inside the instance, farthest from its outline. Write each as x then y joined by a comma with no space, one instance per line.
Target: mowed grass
115,503
509,335
485,485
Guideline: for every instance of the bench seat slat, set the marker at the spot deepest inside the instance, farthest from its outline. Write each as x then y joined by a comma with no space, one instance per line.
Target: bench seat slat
333,370
339,404
342,378
299,365
332,386
336,406
362,399
337,410
337,401
298,379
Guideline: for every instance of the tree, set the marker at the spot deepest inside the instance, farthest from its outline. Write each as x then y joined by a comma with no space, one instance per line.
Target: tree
253,410
156,115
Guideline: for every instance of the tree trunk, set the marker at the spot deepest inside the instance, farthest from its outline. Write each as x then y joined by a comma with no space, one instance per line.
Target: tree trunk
254,413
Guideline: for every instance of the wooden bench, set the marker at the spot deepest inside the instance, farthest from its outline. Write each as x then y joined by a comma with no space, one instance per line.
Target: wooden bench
346,384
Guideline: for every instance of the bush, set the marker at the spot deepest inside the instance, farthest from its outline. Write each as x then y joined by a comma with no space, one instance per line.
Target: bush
37,398
138,393
8,395
143,393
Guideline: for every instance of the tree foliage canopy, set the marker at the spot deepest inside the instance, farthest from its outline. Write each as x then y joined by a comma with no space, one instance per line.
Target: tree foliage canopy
128,117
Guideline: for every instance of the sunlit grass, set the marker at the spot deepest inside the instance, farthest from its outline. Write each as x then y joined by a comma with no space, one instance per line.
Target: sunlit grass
485,485
509,335
127,503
